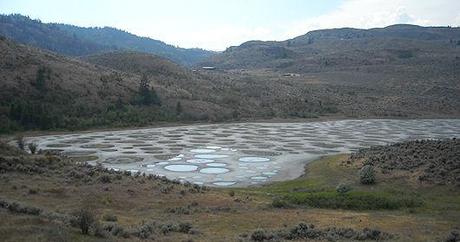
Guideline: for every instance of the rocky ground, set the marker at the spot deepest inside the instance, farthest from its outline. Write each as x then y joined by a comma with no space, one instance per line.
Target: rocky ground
431,161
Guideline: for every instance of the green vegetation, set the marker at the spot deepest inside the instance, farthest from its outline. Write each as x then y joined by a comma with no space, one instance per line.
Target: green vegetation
85,219
323,186
343,188
32,147
147,95
78,41
20,142
43,74
367,175
360,200
52,190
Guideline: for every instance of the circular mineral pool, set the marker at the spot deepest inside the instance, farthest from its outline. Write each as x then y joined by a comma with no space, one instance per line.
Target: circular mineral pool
175,159
224,183
208,156
202,151
58,145
78,153
214,170
269,173
216,164
259,178
200,161
97,146
253,159
181,168
123,160
109,150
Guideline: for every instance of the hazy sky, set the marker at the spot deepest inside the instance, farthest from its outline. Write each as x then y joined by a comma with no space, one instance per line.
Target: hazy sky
217,24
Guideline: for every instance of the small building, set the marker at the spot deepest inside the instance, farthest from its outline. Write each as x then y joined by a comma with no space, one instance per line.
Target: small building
291,74
208,68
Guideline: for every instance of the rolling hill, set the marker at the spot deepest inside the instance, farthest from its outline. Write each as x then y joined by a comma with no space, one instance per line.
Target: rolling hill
329,76
347,48
78,41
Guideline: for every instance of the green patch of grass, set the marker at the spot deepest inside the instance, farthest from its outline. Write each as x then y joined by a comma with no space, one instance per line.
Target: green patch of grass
353,200
317,188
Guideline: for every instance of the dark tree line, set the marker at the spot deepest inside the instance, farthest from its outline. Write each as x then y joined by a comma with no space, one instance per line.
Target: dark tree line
147,95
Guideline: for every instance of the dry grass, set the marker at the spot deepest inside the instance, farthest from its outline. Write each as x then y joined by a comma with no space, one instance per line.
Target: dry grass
217,215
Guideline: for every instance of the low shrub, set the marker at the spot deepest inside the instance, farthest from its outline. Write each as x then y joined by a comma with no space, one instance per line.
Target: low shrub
85,219
367,175
110,217
19,208
99,231
33,191
454,236
304,231
166,188
32,148
231,193
20,142
145,230
260,235
105,178
343,188
279,202
183,227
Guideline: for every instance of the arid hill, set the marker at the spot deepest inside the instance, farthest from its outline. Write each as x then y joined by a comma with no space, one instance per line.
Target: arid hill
78,41
425,161
349,49
43,90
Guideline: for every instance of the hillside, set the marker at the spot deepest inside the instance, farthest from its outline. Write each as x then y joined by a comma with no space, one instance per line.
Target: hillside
139,63
120,39
424,161
400,67
55,198
43,90
348,49
78,41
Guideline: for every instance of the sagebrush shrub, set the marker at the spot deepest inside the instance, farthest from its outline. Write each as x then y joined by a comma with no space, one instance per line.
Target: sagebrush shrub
343,188
367,175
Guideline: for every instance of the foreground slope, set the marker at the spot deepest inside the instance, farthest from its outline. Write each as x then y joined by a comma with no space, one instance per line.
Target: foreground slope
49,198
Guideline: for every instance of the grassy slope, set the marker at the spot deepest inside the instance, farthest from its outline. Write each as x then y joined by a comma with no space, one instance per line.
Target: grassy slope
220,217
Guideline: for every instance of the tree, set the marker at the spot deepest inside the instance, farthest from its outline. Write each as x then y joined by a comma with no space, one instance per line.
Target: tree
20,142
367,175
32,148
178,108
85,220
147,95
43,74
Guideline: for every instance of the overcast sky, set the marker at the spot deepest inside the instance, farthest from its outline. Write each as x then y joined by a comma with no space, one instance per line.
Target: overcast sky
218,24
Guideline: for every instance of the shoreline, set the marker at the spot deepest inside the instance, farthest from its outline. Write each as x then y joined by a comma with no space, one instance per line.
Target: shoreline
38,133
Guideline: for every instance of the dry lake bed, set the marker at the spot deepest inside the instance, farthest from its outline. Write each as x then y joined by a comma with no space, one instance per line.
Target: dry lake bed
239,154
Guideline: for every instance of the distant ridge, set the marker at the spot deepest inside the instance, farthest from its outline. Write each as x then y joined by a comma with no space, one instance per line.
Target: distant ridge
79,41
321,50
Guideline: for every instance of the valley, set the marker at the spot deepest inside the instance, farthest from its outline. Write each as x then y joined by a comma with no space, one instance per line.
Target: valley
340,134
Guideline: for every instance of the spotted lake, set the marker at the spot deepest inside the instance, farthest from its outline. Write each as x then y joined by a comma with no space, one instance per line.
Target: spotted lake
238,154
